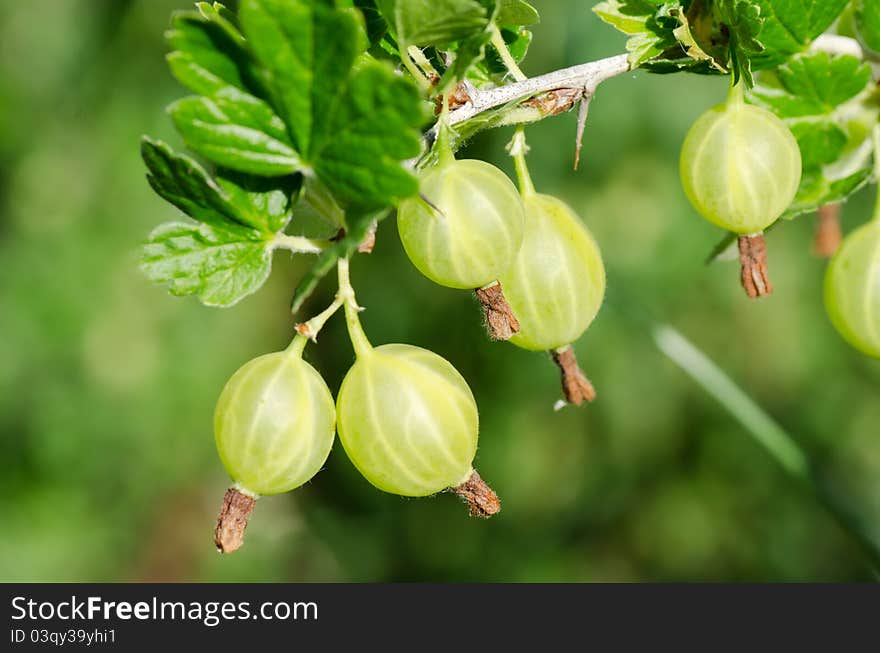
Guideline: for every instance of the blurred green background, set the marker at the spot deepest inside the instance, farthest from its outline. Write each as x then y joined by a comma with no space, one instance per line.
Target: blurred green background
107,384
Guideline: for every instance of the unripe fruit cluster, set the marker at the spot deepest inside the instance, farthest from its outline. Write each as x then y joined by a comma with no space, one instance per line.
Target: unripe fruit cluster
406,418
470,228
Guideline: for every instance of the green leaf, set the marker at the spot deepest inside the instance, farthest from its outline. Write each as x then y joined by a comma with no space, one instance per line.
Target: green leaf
307,49
217,11
791,25
433,22
262,203
219,265
516,13
184,183
470,51
647,24
226,254
373,131
820,142
694,50
352,122
824,82
517,41
711,37
237,131
743,22
209,54
375,22
830,104
230,125
867,17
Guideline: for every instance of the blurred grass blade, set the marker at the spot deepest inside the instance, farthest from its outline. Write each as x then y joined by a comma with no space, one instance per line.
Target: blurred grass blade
787,452
714,381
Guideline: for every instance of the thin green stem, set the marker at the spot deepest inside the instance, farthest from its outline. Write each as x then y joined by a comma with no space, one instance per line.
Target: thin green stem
296,346
445,153
299,244
736,94
877,171
517,148
356,334
766,432
506,58
310,329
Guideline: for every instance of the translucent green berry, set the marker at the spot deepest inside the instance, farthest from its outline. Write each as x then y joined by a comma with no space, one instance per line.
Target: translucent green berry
274,423
740,166
408,420
467,225
557,281
852,289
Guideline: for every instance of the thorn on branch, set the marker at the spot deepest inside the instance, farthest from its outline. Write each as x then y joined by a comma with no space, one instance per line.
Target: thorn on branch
501,323
753,258
583,110
576,387
828,235
233,520
481,499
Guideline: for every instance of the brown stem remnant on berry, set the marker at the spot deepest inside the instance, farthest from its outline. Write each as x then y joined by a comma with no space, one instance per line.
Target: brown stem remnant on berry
481,499
500,320
753,257
576,387
828,235
233,520
456,99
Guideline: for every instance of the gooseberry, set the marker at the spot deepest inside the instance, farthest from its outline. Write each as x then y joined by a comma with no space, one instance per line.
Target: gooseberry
740,166
557,281
274,423
852,289
465,227
408,420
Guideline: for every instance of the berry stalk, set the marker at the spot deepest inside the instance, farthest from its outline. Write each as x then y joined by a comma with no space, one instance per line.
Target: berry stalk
576,387
356,334
233,519
753,258
501,323
481,499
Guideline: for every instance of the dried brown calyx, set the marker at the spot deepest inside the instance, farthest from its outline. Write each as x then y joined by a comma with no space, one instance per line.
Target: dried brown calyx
554,102
828,235
501,323
576,387
456,99
233,520
753,258
481,499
